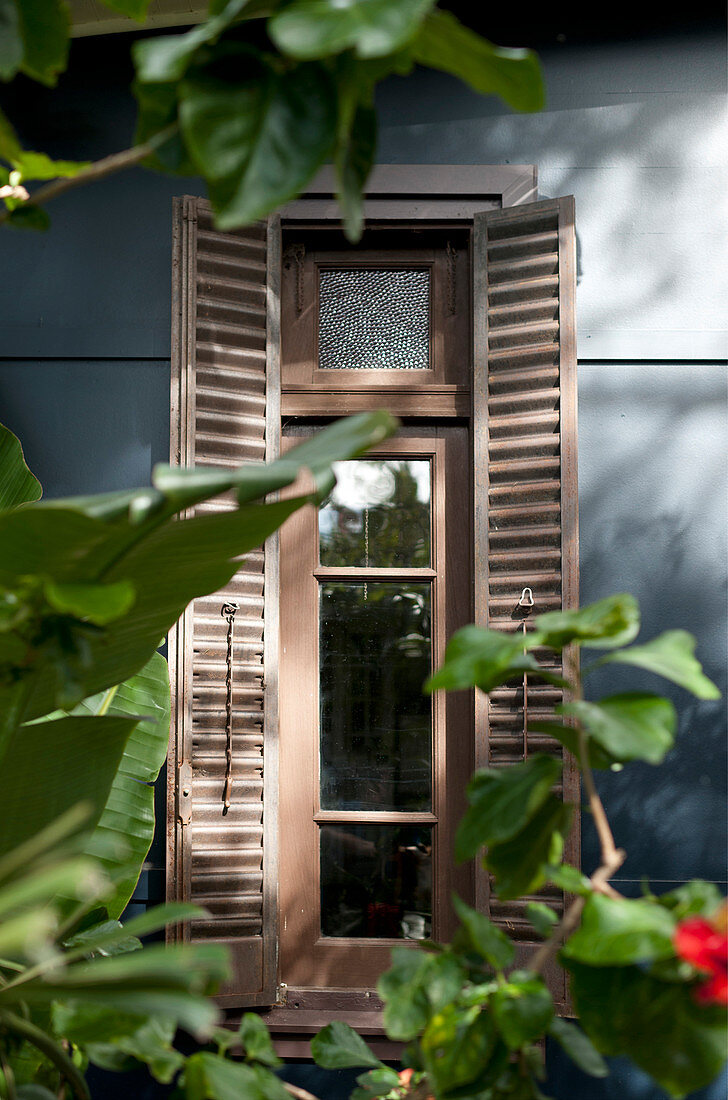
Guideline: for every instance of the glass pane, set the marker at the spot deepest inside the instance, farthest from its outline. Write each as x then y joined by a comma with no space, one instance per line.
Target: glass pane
376,880
374,320
374,653
378,514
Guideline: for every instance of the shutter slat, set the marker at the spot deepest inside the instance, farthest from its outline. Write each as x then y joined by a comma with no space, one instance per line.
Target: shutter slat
525,526
226,375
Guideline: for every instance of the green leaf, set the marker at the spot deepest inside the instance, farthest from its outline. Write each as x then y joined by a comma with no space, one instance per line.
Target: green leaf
17,484
568,736
44,26
337,1046
513,74
522,1009
35,1092
309,29
98,603
476,657
692,898
165,60
378,1082
209,1077
457,1046
632,726
157,109
657,1024
488,940
106,937
150,1044
39,782
28,216
258,140
406,1005
502,800
89,1023
606,624
11,42
256,1040
579,1047
542,917
671,655
9,144
569,878
38,166
619,931
355,153
518,864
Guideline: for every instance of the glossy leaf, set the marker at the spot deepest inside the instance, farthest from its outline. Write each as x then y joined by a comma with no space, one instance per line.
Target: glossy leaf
165,59
619,931
258,140
256,1040
671,655
127,822
307,29
484,936
569,878
406,1004
568,736
476,657
44,26
518,863
457,1046
606,624
39,166
103,939
522,1009
513,74
542,917
39,782
657,1024
378,1082
97,603
578,1046
209,1077
632,726
17,484
501,801
338,1046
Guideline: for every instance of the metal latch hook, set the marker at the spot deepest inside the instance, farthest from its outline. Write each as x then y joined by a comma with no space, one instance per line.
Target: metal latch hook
526,599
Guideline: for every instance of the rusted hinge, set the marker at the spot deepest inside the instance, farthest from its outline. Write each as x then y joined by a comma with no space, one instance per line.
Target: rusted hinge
184,793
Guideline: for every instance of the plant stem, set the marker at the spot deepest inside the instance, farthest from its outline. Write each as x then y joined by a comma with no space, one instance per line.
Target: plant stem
117,162
295,1091
606,840
52,1051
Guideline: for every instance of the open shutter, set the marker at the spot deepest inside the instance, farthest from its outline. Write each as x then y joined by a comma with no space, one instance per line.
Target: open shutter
526,533
225,411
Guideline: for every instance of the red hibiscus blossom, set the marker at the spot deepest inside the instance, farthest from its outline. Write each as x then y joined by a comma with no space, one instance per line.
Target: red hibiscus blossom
704,943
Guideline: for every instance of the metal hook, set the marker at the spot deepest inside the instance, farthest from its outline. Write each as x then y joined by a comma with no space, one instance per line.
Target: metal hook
526,599
228,610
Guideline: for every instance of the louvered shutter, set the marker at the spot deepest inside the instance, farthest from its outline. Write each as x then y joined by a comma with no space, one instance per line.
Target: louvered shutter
226,410
526,533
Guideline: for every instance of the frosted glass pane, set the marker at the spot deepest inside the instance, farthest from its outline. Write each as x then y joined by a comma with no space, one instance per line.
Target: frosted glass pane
374,319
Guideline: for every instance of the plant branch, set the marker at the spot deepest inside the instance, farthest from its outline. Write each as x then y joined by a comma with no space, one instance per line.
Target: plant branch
43,1042
108,166
604,832
299,1094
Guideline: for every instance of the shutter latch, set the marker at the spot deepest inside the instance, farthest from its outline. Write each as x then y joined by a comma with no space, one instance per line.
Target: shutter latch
184,793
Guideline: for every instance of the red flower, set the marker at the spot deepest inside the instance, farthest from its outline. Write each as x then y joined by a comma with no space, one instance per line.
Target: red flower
704,943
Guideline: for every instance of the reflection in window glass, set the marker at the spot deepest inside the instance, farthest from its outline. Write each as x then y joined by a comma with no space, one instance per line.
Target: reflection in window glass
374,319
375,733
378,514
376,881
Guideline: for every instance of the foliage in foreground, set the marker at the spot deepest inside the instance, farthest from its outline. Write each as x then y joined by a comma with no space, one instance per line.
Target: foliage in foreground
257,98
85,606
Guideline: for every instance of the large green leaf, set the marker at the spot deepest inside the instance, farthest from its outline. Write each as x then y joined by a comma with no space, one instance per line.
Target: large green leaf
519,864
355,152
50,766
657,1024
209,1077
502,801
11,42
458,1045
131,537
485,937
415,986
165,59
44,25
671,655
338,1046
476,657
9,144
128,815
17,484
309,29
39,166
257,136
522,1009
632,726
578,1046
620,931
605,624
513,74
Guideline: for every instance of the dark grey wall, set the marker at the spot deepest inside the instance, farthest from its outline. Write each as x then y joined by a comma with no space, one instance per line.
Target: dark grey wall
633,129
